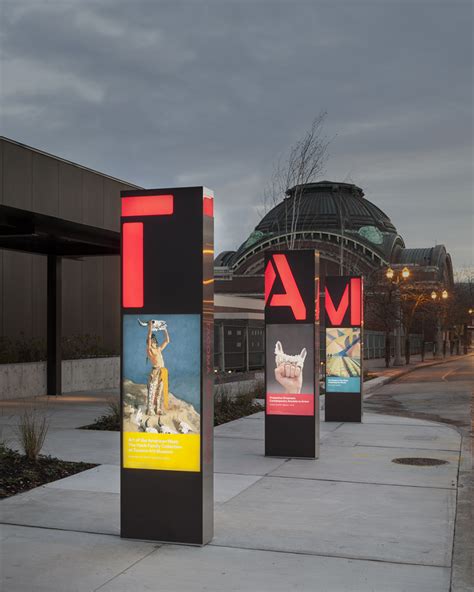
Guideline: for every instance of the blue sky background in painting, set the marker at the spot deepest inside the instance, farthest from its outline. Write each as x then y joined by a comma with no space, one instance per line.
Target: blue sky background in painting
182,356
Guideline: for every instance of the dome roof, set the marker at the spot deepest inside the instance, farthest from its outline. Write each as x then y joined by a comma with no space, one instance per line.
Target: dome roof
324,205
329,207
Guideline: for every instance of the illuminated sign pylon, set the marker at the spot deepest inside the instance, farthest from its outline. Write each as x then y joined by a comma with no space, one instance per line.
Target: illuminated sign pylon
344,348
292,354
167,396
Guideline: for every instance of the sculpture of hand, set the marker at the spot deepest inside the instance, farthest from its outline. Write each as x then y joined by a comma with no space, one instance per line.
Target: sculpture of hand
289,369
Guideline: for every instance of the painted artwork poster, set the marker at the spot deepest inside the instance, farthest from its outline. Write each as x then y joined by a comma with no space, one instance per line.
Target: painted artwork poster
289,369
161,385
343,360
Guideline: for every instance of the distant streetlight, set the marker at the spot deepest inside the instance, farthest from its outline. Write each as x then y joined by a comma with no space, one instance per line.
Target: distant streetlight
444,295
440,341
396,280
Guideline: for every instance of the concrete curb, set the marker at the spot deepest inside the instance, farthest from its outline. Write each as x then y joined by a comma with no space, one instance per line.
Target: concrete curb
372,385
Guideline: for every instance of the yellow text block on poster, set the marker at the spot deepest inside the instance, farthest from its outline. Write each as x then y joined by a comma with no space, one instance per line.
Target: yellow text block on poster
165,452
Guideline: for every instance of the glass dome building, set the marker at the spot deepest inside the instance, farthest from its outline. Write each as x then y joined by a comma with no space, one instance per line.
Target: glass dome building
351,233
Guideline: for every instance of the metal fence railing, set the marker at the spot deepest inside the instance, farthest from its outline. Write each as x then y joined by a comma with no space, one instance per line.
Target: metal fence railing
242,347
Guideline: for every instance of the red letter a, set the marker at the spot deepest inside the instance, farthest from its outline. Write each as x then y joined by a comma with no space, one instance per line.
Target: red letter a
292,296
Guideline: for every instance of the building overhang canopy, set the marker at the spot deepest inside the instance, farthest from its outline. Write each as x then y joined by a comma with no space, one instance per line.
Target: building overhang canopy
30,232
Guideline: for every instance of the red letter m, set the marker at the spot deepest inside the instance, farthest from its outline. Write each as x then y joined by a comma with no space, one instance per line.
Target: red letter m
336,315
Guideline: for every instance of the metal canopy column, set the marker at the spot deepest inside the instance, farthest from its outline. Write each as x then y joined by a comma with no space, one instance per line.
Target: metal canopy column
54,310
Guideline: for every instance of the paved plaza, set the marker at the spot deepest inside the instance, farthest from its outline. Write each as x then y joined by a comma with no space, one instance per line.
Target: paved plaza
352,520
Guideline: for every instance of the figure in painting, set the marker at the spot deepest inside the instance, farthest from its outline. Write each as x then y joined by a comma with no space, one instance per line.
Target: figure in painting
157,384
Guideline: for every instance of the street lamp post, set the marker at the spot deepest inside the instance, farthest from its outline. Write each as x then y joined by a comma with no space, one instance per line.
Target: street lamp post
466,330
440,341
395,280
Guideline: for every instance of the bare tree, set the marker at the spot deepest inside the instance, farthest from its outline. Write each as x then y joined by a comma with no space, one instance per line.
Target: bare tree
389,303
413,302
381,308
458,304
304,164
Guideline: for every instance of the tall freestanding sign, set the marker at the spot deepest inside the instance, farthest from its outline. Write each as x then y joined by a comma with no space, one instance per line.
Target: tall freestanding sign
344,341
292,353
167,365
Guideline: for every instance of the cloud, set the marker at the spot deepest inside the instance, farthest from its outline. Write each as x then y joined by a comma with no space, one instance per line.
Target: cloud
164,93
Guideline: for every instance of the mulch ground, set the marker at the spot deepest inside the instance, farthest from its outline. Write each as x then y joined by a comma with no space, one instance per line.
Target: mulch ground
18,474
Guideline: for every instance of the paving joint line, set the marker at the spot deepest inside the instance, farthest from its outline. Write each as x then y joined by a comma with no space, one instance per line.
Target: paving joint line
157,548
314,554
56,528
159,545
362,482
362,445
411,425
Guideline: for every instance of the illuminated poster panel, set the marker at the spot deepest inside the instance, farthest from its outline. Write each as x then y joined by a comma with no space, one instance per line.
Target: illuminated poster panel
343,362
167,370
292,353
161,392
344,322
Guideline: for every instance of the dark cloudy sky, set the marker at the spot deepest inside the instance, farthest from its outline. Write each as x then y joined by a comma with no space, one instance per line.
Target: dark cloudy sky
180,93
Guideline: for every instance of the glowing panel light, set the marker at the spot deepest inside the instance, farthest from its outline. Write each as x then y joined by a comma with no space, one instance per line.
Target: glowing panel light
147,205
292,296
270,277
336,315
132,264
208,206
356,301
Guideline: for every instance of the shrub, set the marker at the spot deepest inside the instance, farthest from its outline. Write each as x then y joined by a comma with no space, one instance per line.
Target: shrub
222,400
32,429
115,412
21,350
79,346
111,420
259,392
227,408
74,347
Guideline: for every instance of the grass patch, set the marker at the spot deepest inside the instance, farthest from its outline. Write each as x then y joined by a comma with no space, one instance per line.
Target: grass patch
19,474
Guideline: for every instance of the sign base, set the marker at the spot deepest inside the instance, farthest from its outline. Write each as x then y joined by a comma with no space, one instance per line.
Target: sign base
169,504
343,407
290,436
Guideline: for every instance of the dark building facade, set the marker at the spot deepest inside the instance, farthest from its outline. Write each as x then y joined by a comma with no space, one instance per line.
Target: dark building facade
34,181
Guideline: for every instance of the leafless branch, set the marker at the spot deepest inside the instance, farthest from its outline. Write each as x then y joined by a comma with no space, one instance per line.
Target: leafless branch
305,163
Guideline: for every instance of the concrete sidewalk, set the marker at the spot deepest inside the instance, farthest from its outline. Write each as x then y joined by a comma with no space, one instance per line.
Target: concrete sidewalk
352,520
